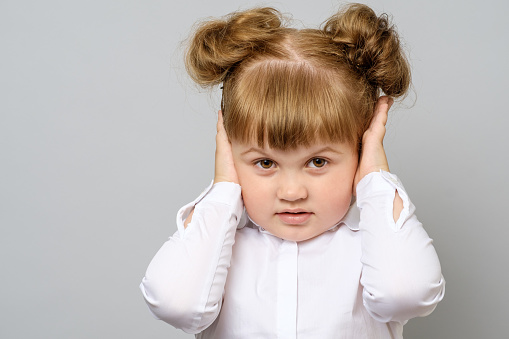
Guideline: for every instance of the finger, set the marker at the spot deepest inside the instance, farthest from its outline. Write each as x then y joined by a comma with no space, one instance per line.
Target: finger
376,129
382,107
224,166
221,132
220,122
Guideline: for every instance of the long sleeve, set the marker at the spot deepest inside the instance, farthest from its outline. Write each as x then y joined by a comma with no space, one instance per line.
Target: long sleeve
401,273
184,283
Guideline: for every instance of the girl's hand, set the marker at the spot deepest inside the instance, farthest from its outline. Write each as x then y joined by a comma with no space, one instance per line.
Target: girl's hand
225,168
373,158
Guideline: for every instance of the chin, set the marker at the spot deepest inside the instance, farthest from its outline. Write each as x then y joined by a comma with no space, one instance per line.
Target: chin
298,235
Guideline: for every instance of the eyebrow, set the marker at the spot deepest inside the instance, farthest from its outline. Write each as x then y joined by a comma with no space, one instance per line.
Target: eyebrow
328,149
253,149
321,150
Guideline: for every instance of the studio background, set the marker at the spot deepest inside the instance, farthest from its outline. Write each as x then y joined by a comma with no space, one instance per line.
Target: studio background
103,138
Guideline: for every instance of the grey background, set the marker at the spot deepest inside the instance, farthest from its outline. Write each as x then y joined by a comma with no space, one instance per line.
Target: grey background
102,138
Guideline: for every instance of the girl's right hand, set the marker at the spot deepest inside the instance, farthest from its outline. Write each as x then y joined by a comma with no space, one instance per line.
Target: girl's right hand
225,168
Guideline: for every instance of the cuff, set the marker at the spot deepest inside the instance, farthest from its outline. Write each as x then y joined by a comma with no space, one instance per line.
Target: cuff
226,193
381,187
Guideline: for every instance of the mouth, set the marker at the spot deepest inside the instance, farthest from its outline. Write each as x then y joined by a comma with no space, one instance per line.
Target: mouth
294,217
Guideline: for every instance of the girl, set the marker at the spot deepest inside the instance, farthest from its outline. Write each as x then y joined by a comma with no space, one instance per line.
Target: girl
304,233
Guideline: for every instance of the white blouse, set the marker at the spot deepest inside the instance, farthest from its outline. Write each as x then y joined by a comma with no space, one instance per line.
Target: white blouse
225,277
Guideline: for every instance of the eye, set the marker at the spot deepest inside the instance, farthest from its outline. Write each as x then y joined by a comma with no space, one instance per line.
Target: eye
265,163
317,162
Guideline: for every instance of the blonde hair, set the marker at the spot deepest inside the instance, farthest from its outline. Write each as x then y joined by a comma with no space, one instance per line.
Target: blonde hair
288,87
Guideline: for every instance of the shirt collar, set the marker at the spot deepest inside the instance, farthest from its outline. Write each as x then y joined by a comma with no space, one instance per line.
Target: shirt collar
352,217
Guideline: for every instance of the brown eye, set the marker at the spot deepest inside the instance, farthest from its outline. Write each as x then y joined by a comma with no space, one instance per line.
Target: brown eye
265,163
317,162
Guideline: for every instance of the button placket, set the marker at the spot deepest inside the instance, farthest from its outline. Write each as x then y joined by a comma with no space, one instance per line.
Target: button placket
287,290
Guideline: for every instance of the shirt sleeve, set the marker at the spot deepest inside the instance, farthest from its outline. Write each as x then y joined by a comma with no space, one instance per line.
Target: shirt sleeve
401,273
184,282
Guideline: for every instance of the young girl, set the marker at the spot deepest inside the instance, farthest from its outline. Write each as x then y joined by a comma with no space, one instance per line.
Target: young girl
304,233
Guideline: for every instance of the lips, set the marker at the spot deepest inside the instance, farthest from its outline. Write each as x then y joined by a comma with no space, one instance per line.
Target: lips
294,216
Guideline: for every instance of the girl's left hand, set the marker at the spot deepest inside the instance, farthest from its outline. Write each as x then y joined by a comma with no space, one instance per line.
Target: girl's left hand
373,158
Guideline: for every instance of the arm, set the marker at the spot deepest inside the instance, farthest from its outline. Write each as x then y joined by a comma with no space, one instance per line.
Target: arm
401,272
184,282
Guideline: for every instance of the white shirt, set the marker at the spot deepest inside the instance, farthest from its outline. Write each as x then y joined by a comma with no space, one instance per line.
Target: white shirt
225,277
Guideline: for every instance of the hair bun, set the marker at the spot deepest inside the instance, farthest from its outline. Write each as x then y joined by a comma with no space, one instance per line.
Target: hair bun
371,45
219,44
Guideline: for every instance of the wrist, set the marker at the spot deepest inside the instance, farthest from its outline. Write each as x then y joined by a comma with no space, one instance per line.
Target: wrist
219,178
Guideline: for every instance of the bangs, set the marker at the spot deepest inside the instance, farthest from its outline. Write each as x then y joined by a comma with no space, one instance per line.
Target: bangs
289,104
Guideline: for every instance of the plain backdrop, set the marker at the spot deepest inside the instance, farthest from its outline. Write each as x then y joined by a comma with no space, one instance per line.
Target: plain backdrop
103,138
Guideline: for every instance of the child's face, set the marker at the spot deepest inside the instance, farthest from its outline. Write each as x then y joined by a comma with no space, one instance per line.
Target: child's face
296,194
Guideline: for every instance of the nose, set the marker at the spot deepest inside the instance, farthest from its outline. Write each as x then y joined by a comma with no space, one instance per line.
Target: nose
291,187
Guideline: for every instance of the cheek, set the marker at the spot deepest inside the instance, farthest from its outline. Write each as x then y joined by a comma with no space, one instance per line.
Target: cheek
337,192
339,196
336,205
244,174
257,203
254,193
